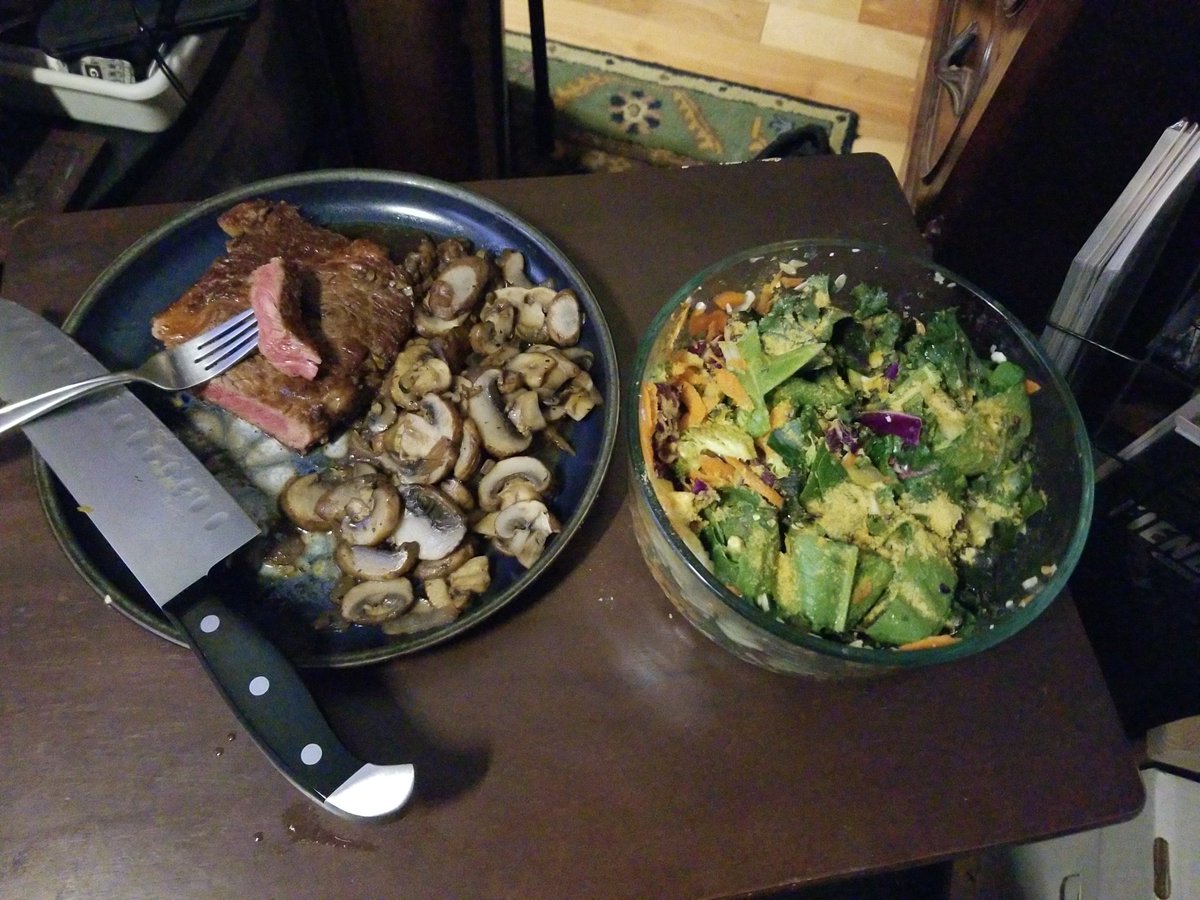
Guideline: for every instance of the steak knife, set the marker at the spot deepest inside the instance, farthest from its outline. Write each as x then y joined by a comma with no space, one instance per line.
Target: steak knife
172,522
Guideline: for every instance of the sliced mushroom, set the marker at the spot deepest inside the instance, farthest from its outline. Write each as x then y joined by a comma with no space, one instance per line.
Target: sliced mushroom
459,493
425,442
421,263
523,529
512,267
457,288
440,568
437,591
576,400
431,521
472,577
564,320
418,371
531,313
430,326
381,416
376,563
369,520
497,322
458,587
581,356
525,412
561,372
332,504
470,451
533,366
514,479
299,499
375,602
486,409
555,438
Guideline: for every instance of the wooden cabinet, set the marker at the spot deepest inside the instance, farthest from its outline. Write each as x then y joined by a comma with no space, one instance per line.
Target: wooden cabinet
972,89
1061,100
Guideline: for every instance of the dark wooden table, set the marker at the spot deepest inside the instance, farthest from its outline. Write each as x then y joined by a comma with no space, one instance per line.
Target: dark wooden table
588,742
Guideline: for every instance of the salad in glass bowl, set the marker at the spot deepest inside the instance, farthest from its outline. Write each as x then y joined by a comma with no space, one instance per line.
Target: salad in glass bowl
844,449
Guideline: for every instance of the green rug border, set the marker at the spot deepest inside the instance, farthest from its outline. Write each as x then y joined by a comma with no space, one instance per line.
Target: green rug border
744,93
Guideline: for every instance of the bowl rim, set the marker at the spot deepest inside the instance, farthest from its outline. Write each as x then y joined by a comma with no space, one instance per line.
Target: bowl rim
999,631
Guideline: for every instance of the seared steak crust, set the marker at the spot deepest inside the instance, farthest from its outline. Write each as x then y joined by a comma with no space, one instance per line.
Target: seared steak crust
357,307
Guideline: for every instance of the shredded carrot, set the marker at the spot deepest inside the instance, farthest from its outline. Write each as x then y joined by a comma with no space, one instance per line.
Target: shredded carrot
765,299
756,484
721,471
732,388
780,413
930,643
791,281
708,325
683,360
647,415
1031,387
729,300
693,403
715,471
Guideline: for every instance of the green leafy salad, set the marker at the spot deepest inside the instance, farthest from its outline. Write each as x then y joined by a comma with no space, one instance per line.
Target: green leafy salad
839,461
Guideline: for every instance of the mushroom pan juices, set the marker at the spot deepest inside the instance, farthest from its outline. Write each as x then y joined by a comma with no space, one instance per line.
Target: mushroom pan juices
848,461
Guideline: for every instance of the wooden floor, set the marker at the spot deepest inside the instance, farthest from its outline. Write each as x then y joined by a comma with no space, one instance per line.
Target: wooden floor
866,55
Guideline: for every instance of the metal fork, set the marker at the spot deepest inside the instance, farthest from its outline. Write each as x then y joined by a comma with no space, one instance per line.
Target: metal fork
183,366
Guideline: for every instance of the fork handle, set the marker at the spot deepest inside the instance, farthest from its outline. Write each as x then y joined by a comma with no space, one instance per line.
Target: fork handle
14,415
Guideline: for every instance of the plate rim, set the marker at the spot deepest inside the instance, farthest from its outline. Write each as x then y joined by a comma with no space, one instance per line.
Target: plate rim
48,486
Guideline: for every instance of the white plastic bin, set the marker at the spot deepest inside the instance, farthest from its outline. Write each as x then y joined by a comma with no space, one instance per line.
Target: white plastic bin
150,105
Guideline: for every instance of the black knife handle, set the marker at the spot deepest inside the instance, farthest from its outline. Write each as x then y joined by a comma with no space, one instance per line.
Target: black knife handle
275,707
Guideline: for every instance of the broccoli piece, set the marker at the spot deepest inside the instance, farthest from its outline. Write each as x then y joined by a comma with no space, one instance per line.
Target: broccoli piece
716,437
741,533
827,391
801,317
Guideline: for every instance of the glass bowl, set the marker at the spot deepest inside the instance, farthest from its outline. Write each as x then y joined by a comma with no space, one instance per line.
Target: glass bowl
1023,583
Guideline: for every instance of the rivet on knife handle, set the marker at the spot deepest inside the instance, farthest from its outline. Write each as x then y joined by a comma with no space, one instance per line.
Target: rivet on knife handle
277,709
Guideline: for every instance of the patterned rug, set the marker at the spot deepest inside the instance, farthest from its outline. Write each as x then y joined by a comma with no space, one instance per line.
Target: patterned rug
614,113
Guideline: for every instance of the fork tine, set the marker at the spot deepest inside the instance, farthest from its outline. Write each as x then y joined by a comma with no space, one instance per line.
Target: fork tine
224,357
228,342
235,325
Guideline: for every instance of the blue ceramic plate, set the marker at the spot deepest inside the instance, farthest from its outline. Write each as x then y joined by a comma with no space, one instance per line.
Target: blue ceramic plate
112,321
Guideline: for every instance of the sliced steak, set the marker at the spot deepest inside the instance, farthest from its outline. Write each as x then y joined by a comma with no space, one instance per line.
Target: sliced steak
275,295
356,307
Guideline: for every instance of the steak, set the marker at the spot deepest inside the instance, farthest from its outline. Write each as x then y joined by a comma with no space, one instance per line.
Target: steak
276,292
355,310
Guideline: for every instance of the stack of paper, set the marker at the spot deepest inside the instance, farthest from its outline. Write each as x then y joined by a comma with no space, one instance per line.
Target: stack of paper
1125,242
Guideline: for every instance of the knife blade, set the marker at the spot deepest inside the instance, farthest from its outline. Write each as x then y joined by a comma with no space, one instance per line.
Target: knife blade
171,522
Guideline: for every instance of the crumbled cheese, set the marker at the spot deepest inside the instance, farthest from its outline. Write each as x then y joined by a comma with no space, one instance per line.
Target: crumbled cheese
997,356
1029,583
